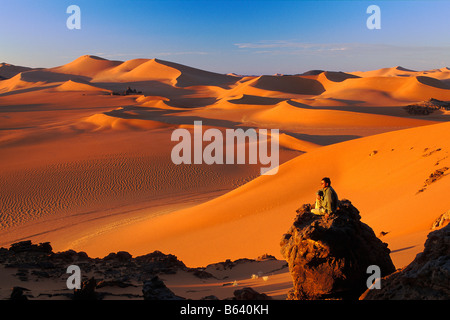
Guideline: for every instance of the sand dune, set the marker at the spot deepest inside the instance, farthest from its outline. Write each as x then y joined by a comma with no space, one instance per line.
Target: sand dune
382,175
87,66
17,83
8,70
160,70
105,122
286,113
289,84
92,171
389,90
77,86
397,71
140,70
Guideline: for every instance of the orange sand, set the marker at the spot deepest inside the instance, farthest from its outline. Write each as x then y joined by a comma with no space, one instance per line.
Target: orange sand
91,171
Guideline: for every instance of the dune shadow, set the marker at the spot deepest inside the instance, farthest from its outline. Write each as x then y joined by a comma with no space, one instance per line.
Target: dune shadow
25,90
323,140
148,88
290,84
174,117
23,108
256,100
403,249
147,113
393,111
191,102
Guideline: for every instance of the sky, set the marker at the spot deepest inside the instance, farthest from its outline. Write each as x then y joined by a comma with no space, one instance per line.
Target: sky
250,37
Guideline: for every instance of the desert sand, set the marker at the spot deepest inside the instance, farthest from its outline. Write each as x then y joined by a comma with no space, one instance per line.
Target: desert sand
87,167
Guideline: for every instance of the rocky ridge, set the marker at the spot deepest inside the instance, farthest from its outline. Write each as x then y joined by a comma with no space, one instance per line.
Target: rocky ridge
427,277
103,278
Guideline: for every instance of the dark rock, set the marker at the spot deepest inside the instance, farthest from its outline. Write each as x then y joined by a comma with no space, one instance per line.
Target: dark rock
211,297
27,246
202,274
17,294
441,221
225,265
328,255
425,278
114,283
70,256
427,107
158,262
248,293
40,274
155,289
87,291
265,257
119,256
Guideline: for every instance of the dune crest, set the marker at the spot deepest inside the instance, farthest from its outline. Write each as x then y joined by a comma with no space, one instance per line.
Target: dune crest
78,86
86,155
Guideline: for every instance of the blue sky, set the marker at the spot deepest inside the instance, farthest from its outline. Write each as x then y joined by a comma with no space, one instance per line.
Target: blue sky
241,36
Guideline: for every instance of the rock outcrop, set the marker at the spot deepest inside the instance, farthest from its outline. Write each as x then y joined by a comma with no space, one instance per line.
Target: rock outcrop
155,289
425,278
118,275
248,293
35,262
328,255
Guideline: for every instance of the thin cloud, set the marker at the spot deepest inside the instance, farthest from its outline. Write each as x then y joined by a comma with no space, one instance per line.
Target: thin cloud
284,44
277,47
181,53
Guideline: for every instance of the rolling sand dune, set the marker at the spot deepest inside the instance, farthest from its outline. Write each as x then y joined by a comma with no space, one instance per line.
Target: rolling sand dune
8,70
87,165
286,113
389,90
397,71
77,86
381,175
289,84
144,70
87,66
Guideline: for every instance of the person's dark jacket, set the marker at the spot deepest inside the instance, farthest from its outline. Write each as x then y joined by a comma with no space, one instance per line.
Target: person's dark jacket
330,200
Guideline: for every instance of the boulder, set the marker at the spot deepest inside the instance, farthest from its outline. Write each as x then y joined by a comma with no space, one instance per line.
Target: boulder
28,247
427,277
155,289
120,256
248,293
158,262
87,291
328,255
17,294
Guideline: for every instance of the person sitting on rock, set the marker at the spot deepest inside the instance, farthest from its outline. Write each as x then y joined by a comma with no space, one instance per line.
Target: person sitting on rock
330,197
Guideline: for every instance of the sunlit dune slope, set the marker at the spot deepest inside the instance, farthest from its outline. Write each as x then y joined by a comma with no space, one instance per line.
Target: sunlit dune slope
389,90
76,144
383,175
8,70
77,86
87,65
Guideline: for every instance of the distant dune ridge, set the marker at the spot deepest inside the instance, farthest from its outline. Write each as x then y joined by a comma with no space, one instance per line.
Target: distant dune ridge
86,157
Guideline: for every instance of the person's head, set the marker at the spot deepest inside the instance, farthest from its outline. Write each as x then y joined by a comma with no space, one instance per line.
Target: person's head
326,182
